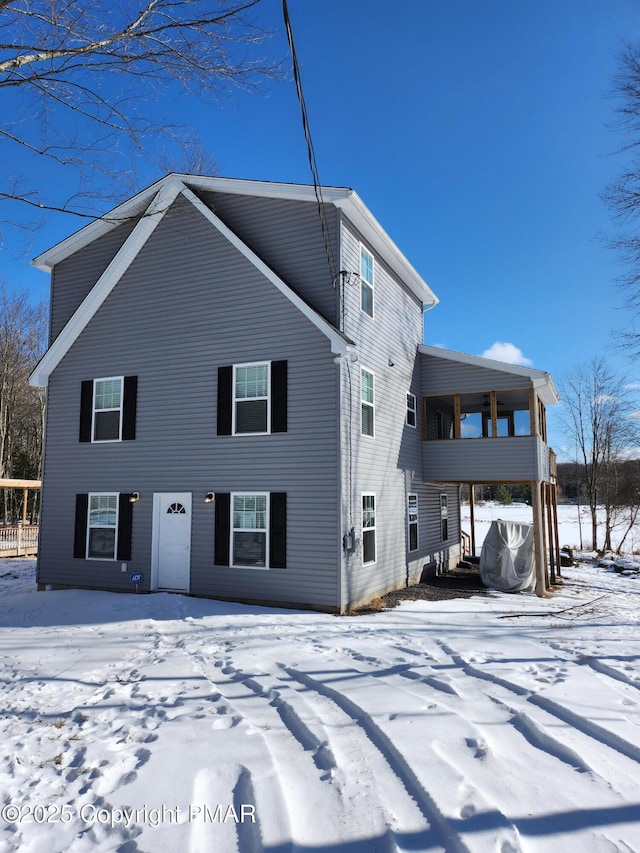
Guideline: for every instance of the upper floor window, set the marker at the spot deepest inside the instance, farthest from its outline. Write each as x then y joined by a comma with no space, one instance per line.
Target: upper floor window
411,410
366,281
251,398
367,402
107,409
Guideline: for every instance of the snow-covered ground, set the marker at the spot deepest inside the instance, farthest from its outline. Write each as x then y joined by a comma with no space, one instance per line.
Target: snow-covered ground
143,724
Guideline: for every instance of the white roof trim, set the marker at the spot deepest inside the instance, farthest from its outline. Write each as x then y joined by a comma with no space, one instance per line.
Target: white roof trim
541,380
107,281
343,198
162,201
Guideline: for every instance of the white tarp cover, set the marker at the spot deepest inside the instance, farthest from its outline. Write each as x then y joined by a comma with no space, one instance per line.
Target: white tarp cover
507,559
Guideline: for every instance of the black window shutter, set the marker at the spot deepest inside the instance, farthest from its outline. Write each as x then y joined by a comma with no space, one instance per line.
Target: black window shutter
278,531
278,396
222,528
125,520
86,409
80,533
129,403
225,399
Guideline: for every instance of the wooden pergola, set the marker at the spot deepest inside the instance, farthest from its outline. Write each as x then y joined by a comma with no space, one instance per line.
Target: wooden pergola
26,486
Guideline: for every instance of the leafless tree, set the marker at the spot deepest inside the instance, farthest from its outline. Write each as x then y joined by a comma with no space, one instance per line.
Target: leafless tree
23,328
598,420
623,194
79,78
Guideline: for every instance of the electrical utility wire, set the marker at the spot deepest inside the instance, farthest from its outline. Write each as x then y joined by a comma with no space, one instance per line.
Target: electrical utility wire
333,267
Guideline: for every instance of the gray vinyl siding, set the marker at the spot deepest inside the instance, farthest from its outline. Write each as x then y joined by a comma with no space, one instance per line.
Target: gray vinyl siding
442,554
188,304
486,460
445,376
389,464
287,235
73,278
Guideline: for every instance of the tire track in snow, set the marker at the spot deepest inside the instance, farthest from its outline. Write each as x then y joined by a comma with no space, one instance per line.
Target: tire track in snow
367,803
271,797
385,668
534,733
602,736
397,763
302,765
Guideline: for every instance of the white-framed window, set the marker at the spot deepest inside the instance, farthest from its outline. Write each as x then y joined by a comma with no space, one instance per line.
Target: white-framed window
107,409
367,404
249,546
251,398
411,410
366,281
368,528
412,521
444,517
102,526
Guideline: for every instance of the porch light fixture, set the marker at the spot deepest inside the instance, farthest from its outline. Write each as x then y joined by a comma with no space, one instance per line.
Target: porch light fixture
134,498
209,498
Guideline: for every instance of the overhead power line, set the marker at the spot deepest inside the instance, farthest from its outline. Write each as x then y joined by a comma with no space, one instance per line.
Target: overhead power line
333,267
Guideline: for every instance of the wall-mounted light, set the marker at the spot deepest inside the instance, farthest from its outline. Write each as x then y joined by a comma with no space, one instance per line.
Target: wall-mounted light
209,498
134,498
391,362
352,357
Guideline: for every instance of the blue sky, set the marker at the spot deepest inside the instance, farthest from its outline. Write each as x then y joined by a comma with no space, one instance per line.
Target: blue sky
474,130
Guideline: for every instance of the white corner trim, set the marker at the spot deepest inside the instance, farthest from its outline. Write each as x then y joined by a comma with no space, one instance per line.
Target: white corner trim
338,343
107,281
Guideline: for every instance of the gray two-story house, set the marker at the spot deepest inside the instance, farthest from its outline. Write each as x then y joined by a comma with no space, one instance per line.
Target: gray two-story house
240,405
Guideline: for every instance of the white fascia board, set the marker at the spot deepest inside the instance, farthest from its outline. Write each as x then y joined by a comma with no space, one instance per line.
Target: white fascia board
541,380
360,215
265,189
125,211
343,198
339,344
107,281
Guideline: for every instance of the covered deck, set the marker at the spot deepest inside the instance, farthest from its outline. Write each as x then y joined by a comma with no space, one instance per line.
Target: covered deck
484,422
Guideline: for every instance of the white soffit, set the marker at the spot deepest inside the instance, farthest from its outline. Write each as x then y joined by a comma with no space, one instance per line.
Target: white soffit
541,380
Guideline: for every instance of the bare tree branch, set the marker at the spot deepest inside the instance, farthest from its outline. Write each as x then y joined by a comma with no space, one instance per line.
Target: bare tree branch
76,75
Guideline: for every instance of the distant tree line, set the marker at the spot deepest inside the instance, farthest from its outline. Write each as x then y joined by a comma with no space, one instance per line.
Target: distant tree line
23,334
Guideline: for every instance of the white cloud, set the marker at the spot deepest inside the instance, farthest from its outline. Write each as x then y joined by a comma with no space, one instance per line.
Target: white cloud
508,353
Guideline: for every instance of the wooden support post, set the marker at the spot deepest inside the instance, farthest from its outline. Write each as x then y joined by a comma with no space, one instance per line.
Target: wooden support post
554,506
494,414
532,411
552,542
545,550
25,496
472,513
537,539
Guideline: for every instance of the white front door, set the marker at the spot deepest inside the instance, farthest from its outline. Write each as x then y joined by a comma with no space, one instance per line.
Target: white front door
171,554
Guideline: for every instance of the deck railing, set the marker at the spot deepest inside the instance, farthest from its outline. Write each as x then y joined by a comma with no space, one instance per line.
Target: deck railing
19,541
